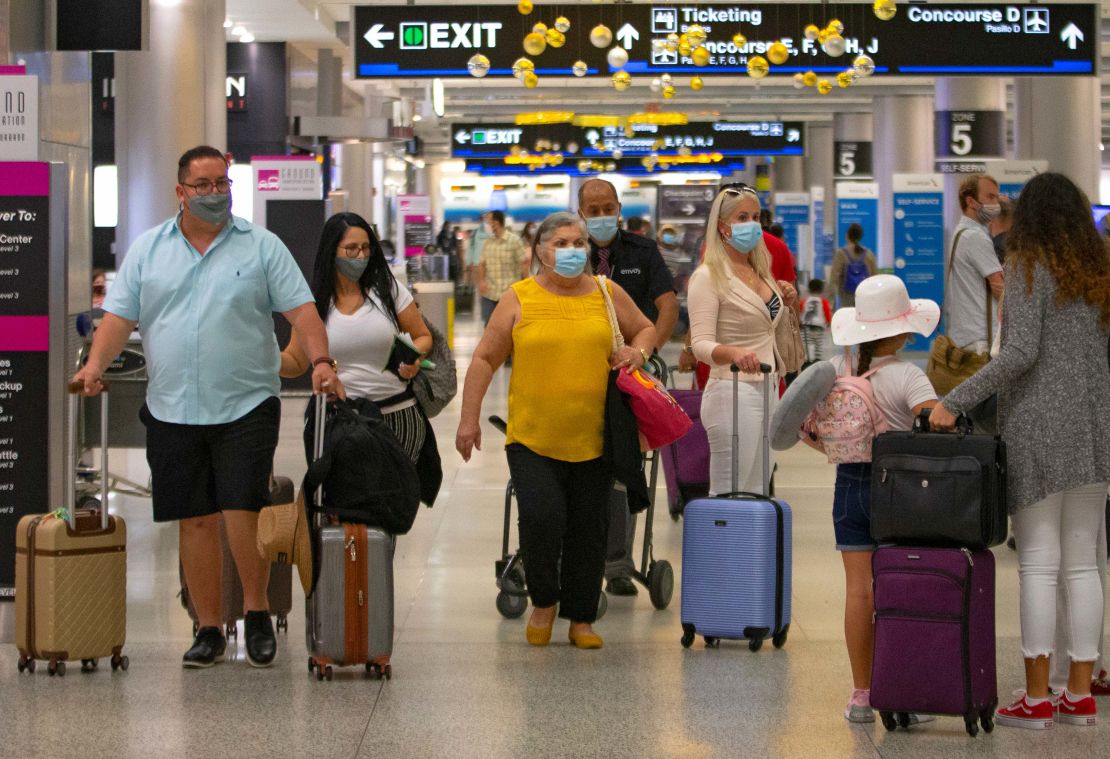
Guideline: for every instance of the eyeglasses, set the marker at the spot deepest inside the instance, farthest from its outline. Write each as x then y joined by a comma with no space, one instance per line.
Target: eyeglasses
354,250
207,187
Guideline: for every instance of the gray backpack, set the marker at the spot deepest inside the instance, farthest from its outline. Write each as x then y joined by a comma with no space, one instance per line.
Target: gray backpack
434,388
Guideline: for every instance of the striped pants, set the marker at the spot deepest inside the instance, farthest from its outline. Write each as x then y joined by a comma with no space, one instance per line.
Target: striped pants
408,425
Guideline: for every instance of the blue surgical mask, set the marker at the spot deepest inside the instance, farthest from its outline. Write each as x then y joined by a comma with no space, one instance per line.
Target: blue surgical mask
569,262
602,228
351,268
746,235
668,238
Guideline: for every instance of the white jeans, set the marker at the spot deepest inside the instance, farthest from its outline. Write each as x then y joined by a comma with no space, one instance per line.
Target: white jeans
716,416
1056,542
1061,665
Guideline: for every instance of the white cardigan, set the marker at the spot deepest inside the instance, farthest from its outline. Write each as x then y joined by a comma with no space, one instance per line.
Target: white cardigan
735,317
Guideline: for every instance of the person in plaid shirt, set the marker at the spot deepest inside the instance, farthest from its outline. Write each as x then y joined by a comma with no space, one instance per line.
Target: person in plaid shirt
504,261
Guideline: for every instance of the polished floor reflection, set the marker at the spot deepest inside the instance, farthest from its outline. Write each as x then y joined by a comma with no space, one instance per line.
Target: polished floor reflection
465,682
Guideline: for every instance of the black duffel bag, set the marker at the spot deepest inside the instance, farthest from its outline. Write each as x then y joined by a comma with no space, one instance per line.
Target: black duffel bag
938,489
367,476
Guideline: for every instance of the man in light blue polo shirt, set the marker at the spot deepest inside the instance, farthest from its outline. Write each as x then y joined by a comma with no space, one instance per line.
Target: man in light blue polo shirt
202,287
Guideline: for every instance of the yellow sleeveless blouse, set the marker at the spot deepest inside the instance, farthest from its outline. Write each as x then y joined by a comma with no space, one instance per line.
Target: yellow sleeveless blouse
561,349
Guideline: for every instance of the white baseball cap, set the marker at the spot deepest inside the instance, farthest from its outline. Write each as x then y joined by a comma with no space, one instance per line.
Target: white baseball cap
883,309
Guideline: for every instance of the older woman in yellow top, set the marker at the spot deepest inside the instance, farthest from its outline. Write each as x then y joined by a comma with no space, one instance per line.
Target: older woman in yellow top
555,327
734,306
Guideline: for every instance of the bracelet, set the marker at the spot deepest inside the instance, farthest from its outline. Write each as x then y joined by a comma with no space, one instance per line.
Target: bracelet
326,360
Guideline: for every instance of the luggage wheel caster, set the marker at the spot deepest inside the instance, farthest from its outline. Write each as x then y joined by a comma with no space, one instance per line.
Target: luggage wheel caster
987,720
687,636
327,673
510,606
660,584
319,674
972,727
120,662
56,668
282,623
755,644
779,639
26,664
232,631
88,665
711,642
675,515
311,665
888,720
903,719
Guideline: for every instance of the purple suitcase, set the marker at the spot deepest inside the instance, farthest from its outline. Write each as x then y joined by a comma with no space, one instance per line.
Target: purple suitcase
934,635
686,461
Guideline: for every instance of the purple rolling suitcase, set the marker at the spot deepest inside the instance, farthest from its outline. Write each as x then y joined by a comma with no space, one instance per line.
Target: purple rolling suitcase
736,575
934,635
686,461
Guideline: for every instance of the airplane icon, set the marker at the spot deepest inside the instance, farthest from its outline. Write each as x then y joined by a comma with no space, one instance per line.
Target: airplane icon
1036,21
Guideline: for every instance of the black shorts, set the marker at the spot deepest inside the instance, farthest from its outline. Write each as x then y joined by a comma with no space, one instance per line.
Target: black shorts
202,469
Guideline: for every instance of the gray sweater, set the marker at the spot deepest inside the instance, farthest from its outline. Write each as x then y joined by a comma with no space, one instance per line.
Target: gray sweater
1053,389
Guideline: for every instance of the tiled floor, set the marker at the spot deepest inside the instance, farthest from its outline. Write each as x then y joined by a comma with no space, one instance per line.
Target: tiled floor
465,682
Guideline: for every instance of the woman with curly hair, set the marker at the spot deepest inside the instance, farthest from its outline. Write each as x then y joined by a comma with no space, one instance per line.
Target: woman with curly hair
1053,387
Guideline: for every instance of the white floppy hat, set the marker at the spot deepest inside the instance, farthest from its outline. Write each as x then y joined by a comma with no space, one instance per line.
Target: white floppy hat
883,309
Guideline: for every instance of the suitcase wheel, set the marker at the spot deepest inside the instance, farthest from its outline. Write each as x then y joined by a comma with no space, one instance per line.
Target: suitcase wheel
327,673
120,662
311,665
755,644
987,720
379,671
282,623
972,727
660,584
688,633
711,642
26,663
88,665
56,667
888,720
511,606
232,630
779,639
904,720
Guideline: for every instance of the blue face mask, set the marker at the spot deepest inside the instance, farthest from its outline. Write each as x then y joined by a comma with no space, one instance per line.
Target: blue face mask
602,228
669,239
569,262
746,235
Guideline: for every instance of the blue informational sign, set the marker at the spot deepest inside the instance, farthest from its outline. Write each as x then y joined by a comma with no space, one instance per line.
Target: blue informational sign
919,252
823,243
858,203
792,212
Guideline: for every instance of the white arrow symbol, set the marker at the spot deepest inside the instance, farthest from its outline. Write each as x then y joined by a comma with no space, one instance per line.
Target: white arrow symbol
793,135
1071,36
689,209
375,36
627,35
462,136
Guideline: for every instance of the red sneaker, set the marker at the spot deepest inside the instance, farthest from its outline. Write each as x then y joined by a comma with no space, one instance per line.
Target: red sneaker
1100,686
1079,712
1022,714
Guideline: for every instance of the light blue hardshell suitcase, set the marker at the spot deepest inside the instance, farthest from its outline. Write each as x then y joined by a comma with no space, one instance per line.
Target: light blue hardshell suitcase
736,556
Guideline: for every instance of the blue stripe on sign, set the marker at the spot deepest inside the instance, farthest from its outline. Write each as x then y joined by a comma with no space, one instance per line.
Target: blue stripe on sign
1057,67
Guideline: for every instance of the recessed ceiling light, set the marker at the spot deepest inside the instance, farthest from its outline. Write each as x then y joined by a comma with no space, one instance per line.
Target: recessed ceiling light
239,31
227,23
248,37
417,117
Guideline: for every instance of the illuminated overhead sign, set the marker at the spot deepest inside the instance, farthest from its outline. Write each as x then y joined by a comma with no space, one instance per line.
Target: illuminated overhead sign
438,40
729,138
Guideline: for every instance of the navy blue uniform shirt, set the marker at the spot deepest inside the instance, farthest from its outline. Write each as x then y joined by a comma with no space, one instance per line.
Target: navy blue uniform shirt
638,267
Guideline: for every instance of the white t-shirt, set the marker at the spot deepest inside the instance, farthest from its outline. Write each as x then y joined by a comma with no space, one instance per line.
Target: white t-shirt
898,386
965,299
360,343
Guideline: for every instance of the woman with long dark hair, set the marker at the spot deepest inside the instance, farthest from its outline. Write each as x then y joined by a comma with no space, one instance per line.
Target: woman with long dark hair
364,309
851,265
1053,389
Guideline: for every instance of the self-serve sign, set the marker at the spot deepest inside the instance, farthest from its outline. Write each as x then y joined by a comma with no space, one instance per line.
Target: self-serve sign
422,35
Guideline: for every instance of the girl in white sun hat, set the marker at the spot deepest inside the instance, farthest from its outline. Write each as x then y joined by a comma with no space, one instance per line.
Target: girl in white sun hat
882,320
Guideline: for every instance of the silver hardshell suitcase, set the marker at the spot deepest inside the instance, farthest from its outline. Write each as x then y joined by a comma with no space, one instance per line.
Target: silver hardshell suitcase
349,615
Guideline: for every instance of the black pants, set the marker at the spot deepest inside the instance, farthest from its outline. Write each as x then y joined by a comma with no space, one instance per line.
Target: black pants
564,519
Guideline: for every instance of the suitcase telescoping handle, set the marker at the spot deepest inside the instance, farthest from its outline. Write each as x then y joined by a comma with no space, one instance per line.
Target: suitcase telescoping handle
765,369
319,424
73,408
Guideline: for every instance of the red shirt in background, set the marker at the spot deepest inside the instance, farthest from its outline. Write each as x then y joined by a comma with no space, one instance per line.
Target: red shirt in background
782,260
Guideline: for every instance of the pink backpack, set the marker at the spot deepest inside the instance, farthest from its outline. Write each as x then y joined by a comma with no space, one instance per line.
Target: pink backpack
847,420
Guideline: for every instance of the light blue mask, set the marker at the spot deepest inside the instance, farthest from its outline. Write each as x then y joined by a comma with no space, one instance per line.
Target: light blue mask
569,262
602,228
669,239
746,235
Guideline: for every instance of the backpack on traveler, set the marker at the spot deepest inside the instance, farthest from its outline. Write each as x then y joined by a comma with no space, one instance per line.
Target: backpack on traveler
846,421
855,274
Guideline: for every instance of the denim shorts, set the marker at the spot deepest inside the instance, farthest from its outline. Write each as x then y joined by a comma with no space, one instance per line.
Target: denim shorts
852,508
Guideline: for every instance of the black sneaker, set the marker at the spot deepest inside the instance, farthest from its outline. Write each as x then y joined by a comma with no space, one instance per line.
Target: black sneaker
621,586
258,629
208,648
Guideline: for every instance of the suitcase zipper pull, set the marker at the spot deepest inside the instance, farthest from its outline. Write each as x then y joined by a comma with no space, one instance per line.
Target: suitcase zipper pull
967,553
883,480
360,599
351,548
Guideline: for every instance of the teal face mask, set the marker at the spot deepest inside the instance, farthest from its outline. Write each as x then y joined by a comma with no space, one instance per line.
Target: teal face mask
746,235
569,262
602,228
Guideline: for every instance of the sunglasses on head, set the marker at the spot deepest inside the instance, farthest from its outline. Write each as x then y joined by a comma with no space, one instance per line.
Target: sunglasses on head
738,188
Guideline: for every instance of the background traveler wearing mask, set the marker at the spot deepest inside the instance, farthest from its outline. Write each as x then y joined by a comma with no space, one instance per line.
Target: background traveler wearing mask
556,327
504,261
734,305
976,276
634,263
204,285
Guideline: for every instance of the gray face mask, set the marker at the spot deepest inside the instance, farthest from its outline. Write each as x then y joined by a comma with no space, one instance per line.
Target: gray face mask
212,209
351,268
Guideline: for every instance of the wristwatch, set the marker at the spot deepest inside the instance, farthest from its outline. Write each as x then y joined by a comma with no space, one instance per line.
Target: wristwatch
688,349
645,354
326,360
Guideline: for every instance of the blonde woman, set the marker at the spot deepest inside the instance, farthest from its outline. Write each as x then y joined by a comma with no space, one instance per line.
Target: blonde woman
734,305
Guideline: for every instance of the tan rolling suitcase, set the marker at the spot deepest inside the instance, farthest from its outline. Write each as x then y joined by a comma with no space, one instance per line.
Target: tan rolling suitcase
71,575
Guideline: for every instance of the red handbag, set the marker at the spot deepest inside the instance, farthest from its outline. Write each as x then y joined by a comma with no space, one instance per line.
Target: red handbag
660,419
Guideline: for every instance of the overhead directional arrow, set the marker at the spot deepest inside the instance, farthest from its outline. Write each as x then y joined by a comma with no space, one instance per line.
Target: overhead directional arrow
793,135
462,136
1071,36
626,35
375,36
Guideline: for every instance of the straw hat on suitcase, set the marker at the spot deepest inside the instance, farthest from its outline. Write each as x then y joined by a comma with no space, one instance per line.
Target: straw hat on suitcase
283,537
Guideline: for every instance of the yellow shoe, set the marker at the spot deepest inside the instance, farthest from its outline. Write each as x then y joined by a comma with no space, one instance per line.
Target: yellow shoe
539,636
586,640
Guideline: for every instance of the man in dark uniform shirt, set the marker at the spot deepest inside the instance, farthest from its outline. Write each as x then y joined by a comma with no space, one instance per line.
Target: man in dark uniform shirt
634,263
